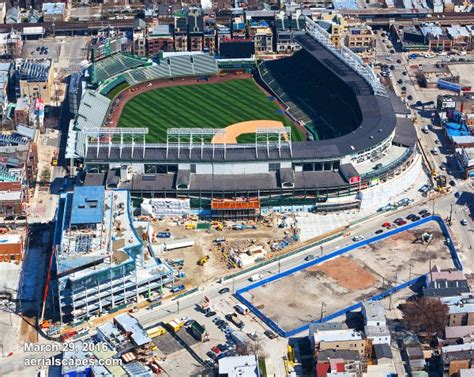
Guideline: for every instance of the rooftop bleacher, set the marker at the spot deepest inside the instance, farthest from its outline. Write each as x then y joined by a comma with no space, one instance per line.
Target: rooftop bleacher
113,65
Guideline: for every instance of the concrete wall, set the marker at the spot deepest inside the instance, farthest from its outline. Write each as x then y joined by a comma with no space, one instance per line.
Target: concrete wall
381,194
233,169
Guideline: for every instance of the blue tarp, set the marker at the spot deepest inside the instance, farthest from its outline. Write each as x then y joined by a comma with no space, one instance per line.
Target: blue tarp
457,129
87,205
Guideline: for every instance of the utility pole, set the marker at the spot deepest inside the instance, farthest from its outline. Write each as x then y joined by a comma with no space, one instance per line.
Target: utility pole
279,266
177,303
322,310
450,215
321,247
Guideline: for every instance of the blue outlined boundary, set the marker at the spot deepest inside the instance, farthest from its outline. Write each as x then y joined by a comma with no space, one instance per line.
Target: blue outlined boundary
419,279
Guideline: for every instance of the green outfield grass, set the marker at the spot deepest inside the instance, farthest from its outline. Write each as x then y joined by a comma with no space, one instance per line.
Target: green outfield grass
201,106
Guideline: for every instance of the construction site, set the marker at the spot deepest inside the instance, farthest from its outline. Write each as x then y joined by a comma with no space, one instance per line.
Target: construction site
323,289
202,251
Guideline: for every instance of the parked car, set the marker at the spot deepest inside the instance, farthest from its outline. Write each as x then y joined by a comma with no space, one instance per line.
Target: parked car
379,231
386,225
358,238
211,314
464,222
415,218
410,216
270,334
309,257
253,336
224,290
423,211
426,214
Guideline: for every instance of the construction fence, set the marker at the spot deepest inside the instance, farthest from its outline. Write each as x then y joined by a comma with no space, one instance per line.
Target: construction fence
417,280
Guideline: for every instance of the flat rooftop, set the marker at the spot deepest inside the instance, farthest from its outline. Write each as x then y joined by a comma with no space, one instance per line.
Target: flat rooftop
87,205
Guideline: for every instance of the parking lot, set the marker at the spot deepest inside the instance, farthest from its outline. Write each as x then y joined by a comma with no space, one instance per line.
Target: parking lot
357,275
42,49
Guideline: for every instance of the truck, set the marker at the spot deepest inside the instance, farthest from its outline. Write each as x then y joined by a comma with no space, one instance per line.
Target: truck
256,277
233,317
178,244
175,325
156,331
241,309
447,85
177,288
243,226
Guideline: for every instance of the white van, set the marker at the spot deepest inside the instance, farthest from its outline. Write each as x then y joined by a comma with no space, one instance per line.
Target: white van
256,277
241,309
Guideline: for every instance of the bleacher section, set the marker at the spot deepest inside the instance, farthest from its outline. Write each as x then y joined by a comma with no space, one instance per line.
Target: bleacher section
174,66
113,65
314,95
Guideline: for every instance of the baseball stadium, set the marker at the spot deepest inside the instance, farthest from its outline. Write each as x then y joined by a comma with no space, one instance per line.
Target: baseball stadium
316,130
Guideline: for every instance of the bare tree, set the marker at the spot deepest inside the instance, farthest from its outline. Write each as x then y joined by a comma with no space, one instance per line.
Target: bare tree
426,314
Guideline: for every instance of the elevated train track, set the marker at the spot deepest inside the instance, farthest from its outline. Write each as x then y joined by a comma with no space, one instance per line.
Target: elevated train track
371,17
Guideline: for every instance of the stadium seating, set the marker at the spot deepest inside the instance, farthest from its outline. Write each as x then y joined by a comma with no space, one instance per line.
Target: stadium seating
203,64
113,65
181,66
313,94
174,66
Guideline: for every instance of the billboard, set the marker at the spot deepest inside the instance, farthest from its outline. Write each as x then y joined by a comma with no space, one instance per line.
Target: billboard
355,179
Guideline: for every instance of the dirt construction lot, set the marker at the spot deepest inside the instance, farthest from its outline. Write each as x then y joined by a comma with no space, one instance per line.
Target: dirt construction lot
203,245
345,280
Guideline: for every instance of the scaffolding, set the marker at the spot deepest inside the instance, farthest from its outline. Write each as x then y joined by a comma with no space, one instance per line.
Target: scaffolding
226,209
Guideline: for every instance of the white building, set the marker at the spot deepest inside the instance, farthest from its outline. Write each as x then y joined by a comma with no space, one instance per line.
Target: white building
375,322
239,366
374,313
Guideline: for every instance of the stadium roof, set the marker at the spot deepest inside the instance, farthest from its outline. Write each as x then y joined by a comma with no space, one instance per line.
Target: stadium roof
92,110
87,205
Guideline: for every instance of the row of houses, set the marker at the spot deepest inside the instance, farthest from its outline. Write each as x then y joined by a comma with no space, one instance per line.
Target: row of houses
338,349
452,288
242,35
50,12
434,37
457,115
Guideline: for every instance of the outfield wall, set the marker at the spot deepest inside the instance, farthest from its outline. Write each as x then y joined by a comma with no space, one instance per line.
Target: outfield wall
417,280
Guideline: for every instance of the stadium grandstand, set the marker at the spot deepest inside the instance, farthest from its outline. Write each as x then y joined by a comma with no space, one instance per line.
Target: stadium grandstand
371,142
165,66
325,105
113,65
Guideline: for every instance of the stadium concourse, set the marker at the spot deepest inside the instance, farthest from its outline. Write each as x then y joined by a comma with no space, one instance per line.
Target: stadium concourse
363,134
